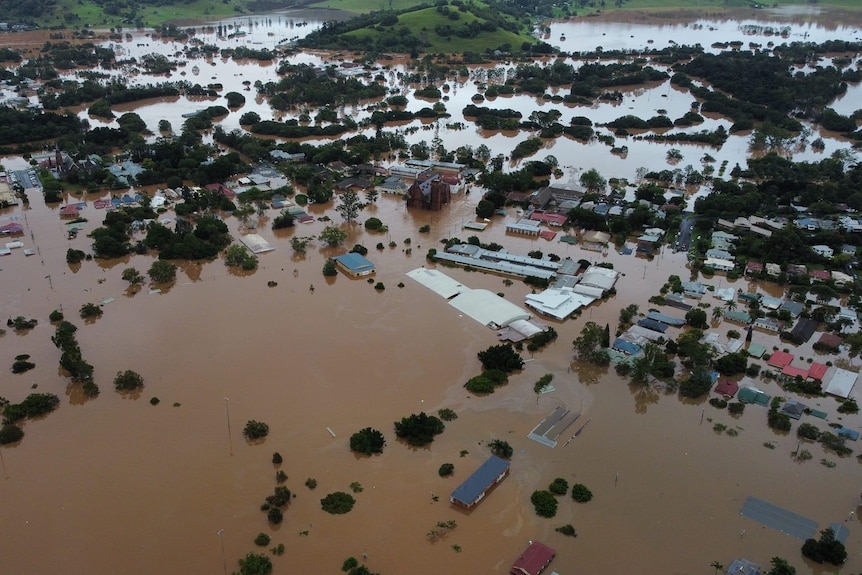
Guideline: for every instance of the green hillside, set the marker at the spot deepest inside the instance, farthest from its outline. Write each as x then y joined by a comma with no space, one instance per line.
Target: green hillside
440,34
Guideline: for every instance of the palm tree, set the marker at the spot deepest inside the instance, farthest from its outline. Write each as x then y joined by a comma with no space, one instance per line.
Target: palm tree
717,566
717,313
730,305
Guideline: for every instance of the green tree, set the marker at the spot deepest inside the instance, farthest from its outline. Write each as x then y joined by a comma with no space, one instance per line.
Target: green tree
501,448
696,317
349,205
132,276
559,486
502,357
332,236
337,503
329,269
419,429
255,564
10,433
90,311
446,470
300,244
128,381
162,271
367,441
255,430
485,208
581,493
544,503
593,181
825,550
781,567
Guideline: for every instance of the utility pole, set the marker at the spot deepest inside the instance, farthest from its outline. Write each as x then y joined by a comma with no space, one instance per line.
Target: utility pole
227,413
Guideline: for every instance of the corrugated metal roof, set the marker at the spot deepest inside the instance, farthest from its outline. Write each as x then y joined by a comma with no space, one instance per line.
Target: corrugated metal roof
485,476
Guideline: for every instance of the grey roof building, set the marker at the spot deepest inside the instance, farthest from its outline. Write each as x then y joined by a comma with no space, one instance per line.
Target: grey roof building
475,487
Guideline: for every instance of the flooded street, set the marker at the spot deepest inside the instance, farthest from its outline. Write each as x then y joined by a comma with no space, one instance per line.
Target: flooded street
115,483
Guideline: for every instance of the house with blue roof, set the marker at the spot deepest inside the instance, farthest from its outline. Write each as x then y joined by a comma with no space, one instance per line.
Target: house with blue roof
475,487
353,264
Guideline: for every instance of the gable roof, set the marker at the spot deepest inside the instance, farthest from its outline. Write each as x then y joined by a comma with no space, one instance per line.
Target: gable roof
533,560
354,262
474,486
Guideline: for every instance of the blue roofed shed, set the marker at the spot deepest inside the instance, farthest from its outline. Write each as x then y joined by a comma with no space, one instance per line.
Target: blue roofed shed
354,265
475,487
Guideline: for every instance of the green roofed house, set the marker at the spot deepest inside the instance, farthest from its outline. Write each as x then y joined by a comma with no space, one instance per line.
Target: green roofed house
751,395
737,316
354,265
756,350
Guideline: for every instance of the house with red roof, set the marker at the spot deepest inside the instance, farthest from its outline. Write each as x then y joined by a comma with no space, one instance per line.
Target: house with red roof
753,268
726,387
780,359
11,229
533,560
817,371
820,275
69,211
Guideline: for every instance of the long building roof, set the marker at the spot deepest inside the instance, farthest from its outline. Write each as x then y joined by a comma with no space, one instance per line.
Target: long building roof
486,475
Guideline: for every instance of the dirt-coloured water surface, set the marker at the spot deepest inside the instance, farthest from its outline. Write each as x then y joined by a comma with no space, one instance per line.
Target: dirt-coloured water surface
115,481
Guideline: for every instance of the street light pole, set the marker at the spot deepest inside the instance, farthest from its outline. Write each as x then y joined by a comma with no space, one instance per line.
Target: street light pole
223,557
227,413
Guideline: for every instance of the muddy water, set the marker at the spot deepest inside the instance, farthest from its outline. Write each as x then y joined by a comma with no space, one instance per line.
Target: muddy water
116,479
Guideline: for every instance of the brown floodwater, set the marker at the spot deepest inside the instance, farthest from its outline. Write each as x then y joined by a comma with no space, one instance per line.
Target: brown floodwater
116,480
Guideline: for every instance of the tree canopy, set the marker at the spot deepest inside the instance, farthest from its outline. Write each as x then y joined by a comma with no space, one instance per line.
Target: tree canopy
419,429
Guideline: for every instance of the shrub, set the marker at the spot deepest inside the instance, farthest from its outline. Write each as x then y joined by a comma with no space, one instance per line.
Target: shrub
379,286
447,414
277,459
128,381
21,364
34,405
480,384
329,269
154,401
56,316
717,402
262,540
446,470
10,433
373,224
359,249
349,563
825,550
274,515
74,256
419,429
311,483
559,486
848,406
367,441
501,448
567,530
581,493
255,430
337,503
736,408
255,564
544,503
807,431
280,476
90,310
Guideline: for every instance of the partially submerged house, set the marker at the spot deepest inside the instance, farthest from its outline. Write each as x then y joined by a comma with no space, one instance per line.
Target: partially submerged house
476,487
431,194
535,558
355,265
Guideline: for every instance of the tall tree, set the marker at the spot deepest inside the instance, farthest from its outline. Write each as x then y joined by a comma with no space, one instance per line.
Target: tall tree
349,205
593,181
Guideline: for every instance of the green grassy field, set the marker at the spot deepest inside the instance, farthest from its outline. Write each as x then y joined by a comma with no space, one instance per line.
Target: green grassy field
365,6
91,14
423,23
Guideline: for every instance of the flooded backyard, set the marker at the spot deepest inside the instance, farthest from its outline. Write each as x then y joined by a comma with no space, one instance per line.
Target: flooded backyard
115,483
